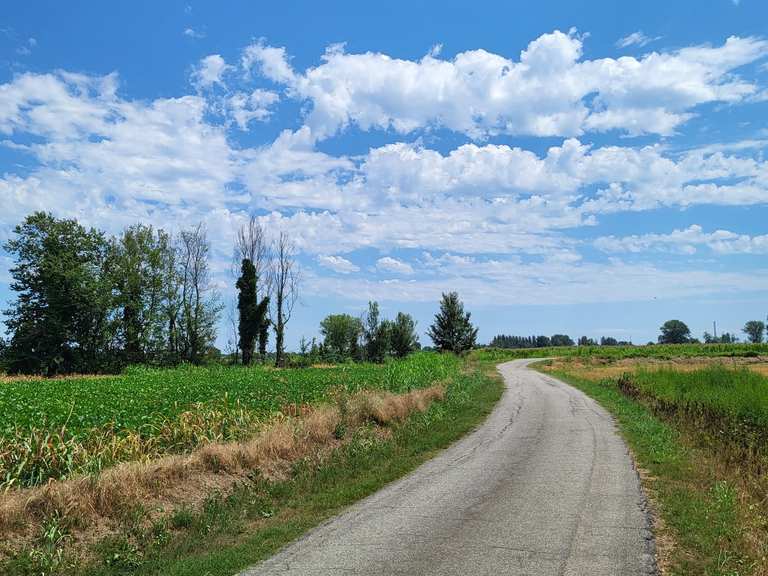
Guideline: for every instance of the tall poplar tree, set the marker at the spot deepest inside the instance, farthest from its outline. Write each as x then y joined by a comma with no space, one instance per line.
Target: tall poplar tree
248,326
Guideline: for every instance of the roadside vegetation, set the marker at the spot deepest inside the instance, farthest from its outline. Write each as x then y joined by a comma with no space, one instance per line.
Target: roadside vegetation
302,444
698,427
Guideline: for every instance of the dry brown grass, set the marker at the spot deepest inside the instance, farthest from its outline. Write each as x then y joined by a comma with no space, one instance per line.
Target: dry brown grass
91,503
599,368
385,407
6,378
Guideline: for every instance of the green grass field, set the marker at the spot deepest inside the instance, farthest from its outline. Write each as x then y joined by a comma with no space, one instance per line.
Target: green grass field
732,403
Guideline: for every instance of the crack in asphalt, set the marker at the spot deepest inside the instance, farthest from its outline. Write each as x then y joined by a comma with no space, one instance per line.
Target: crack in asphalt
545,487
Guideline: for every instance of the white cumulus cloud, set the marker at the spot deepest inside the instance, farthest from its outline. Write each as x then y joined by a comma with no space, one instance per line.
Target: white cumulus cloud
254,106
210,71
337,264
389,264
543,93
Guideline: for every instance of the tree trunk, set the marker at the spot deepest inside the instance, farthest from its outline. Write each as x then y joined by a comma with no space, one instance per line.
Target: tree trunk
279,331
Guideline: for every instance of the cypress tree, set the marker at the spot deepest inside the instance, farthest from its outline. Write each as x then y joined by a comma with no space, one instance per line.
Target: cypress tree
248,325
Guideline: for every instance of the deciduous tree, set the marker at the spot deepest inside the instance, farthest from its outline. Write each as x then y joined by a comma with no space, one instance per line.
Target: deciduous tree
285,285
403,335
341,336
754,329
377,334
199,299
137,269
674,332
60,321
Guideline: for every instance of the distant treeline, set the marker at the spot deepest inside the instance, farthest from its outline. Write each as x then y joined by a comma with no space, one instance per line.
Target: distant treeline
505,341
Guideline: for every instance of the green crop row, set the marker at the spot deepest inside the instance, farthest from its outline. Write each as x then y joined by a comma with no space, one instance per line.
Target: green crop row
59,428
140,398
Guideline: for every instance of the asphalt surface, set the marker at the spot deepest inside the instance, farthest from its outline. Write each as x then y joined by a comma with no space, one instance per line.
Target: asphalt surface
544,487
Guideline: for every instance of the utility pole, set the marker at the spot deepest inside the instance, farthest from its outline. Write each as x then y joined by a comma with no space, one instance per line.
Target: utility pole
714,326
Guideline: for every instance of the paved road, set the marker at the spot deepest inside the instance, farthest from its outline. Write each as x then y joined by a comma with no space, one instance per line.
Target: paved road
544,487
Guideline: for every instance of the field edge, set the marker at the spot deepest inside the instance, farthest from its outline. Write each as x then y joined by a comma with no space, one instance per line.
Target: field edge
695,515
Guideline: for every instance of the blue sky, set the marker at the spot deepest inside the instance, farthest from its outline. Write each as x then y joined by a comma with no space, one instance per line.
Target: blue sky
582,167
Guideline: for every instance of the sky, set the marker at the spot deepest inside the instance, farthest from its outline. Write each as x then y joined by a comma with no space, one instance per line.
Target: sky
589,168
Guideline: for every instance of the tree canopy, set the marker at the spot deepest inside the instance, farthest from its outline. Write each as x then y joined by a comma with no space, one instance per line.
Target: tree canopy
754,329
341,335
89,303
452,329
674,332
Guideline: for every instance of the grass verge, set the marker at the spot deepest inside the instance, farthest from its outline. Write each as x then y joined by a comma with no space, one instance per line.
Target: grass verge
231,532
705,523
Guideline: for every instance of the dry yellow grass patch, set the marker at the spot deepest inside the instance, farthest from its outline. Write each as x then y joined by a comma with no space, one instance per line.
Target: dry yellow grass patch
92,502
385,407
6,378
598,369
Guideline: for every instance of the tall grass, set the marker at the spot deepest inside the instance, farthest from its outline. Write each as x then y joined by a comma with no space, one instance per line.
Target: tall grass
727,403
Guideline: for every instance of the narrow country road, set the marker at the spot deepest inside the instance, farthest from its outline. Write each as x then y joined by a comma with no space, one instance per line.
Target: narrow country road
544,487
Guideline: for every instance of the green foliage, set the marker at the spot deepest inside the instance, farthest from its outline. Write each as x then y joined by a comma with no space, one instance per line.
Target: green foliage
346,337
452,330
754,329
403,337
377,334
561,340
88,303
61,316
341,336
733,403
52,429
253,322
674,332
557,340
724,338
249,325
138,268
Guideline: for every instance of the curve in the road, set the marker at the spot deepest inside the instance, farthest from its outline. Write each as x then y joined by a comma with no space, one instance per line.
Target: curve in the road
544,487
